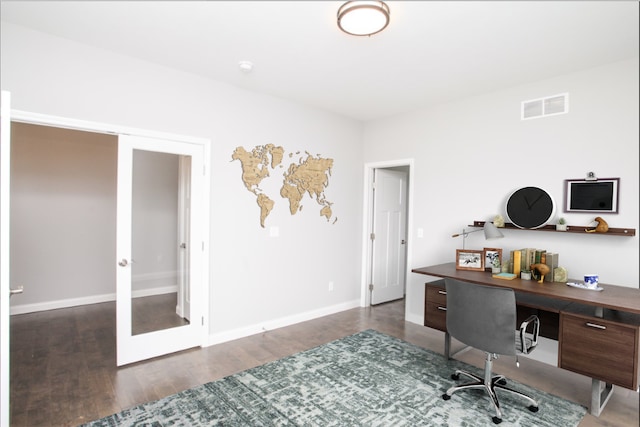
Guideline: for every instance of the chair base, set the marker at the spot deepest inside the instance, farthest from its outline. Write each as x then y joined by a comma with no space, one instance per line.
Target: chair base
489,384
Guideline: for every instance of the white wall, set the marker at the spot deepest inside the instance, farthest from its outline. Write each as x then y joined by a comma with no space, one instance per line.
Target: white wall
470,155
256,280
63,215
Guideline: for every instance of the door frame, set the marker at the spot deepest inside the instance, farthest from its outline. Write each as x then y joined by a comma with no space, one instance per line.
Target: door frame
108,128
5,286
367,222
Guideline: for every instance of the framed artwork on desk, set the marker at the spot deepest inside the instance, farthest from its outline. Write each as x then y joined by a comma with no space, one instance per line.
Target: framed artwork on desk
490,255
468,259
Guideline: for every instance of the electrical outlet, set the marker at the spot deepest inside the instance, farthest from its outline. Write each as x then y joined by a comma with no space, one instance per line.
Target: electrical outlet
330,286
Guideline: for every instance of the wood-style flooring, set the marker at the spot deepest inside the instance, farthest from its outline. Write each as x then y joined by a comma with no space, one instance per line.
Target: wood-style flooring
63,364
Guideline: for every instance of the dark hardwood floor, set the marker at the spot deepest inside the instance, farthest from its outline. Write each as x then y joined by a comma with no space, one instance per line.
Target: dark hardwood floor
155,313
63,364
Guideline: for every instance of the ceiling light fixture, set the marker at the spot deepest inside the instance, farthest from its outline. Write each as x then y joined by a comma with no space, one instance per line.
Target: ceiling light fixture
363,18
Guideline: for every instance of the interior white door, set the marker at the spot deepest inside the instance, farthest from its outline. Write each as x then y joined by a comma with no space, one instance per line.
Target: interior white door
389,229
5,174
142,227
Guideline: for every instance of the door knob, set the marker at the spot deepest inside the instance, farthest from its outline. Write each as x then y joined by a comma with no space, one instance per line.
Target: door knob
123,263
183,246
17,290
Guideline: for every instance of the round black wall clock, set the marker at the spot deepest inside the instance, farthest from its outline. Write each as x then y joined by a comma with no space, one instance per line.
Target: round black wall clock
530,207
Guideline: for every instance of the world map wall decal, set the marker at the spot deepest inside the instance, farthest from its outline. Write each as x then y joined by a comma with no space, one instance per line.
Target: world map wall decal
308,174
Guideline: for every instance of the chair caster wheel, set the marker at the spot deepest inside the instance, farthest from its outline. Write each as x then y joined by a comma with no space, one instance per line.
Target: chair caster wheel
502,382
446,396
533,408
496,420
455,377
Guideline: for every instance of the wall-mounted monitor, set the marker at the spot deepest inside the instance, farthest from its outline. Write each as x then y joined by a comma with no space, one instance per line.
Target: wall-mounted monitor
591,196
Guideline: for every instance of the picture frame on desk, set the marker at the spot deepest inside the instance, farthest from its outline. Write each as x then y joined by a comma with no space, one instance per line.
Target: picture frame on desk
469,259
489,255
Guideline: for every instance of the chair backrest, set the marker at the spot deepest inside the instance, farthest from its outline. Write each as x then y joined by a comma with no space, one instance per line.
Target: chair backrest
483,317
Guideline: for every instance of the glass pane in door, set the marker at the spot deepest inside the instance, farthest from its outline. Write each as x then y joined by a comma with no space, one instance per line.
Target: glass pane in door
158,243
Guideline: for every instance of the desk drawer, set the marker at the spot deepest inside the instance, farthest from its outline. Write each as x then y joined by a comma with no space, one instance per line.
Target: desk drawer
435,306
599,348
436,294
436,316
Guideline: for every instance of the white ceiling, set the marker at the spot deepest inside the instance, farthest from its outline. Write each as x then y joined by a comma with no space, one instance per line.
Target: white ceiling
432,52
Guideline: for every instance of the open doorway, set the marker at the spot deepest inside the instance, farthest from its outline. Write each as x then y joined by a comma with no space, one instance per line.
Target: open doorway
64,210
387,218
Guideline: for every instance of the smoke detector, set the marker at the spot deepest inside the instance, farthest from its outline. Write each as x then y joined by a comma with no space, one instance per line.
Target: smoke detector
245,66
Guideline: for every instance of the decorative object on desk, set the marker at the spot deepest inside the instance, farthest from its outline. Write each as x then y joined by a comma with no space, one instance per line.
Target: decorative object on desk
591,280
505,276
538,271
490,232
602,226
585,286
591,195
560,275
492,259
525,275
530,207
561,225
498,221
468,259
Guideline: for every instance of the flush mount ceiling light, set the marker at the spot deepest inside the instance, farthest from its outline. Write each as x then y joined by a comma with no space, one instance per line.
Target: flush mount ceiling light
363,18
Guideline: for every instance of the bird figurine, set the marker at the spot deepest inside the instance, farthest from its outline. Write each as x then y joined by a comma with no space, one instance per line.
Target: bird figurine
541,269
602,226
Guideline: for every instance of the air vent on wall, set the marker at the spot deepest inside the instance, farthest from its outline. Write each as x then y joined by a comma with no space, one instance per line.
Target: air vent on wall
543,107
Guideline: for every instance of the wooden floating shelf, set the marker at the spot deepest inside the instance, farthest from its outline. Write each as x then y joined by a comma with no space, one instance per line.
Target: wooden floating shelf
580,229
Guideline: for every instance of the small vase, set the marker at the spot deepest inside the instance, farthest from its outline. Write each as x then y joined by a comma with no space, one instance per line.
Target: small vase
496,270
561,227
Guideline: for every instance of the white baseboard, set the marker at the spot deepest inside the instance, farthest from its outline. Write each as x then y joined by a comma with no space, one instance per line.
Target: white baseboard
64,303
220,337
154,291
92,299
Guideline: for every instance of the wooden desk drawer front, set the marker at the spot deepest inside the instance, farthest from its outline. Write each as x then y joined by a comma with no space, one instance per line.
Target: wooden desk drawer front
600,349
435,307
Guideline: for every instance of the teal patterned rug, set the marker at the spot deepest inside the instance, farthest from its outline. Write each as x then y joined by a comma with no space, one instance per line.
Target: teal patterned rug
366,379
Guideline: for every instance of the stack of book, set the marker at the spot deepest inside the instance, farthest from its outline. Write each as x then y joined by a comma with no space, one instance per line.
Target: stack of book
522,260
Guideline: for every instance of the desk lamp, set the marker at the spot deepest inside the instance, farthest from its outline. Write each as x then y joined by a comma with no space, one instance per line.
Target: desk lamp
490,232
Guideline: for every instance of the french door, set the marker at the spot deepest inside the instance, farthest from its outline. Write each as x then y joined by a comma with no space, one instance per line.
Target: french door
159,249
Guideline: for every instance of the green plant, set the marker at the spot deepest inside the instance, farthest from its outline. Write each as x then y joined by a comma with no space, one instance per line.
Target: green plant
562,221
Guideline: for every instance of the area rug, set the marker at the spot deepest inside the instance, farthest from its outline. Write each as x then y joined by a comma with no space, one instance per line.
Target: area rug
366,379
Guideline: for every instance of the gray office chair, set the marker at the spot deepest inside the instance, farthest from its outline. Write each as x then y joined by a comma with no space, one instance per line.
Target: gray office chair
484,317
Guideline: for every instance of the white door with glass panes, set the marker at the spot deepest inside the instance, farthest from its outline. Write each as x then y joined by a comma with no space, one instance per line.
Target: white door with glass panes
159,250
